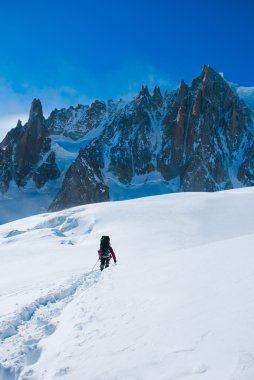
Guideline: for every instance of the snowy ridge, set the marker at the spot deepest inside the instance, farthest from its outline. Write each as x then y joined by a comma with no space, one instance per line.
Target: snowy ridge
178,305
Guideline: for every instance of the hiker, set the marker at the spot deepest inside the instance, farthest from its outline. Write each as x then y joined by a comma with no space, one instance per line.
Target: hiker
105,252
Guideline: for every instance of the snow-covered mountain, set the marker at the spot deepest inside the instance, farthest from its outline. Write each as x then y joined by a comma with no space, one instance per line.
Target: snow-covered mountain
178,305
245,93
197,138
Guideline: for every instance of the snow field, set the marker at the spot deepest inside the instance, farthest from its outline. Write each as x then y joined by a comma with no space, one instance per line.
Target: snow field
178,305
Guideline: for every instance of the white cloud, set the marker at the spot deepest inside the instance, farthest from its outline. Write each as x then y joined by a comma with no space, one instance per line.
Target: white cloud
13,101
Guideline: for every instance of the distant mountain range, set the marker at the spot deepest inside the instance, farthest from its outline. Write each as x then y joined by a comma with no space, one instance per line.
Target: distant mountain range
197,138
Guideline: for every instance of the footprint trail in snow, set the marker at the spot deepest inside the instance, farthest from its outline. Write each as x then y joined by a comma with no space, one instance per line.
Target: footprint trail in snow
20,336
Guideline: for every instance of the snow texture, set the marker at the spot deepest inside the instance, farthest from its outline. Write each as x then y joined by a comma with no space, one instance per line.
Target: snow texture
178,305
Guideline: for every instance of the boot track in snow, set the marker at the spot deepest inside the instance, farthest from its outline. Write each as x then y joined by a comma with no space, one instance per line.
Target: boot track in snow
20,335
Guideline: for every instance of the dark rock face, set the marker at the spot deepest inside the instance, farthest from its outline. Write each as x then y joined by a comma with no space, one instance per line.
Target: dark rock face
204,134
5,169
200,136
22,150
32,144
47,171
85,181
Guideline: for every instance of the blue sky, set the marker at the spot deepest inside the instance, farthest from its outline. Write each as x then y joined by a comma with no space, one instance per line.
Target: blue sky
72,51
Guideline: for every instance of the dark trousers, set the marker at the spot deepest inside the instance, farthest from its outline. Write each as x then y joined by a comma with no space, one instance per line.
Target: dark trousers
104,262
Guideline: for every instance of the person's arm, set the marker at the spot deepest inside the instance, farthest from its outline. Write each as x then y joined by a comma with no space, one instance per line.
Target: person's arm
112,253
99,253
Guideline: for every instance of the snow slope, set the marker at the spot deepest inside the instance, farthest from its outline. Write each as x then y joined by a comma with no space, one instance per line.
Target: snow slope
247,94
179,304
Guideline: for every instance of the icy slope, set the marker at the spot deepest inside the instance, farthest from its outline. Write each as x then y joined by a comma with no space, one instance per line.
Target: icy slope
247,94
178,305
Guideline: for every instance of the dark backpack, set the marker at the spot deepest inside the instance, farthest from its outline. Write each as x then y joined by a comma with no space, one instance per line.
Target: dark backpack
104,245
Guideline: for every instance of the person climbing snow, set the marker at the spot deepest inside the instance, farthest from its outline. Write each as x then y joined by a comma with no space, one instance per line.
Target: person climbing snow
105,252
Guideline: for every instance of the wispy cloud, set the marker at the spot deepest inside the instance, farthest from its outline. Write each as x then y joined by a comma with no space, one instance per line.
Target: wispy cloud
127,81
15,105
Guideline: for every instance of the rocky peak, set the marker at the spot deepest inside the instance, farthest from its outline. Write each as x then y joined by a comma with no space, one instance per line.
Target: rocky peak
157,97
76,122
97,106
96,110
206,69
33,143
211,90
166,94
25,148
209,75
35,128
13,135
209,78
143,99
144,92
36,110
19,124
157,92
182,91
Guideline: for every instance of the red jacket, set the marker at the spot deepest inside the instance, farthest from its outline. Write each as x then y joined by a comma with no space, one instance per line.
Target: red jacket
111,251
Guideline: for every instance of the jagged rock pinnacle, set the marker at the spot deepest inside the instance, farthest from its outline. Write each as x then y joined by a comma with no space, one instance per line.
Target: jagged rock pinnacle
143,92
209,74
36,109
157,97
19,124
182,90
157,92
